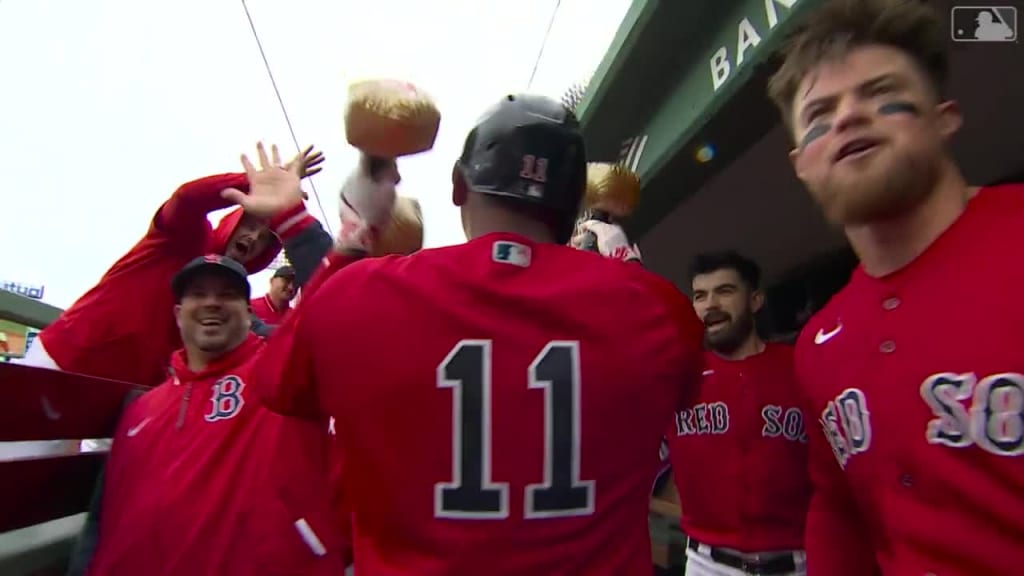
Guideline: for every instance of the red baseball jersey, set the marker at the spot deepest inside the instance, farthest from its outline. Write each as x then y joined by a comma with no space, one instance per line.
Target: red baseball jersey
264,309
918,381
500,404
739,454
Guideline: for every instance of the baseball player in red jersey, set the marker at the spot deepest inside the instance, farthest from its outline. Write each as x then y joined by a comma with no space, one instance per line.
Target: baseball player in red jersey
500,403
919,393
744,508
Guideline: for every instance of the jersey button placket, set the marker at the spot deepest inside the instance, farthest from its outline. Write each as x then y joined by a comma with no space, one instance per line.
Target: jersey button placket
743,400
889,304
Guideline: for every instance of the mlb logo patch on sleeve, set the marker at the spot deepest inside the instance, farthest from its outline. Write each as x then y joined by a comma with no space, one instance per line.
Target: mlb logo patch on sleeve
511,253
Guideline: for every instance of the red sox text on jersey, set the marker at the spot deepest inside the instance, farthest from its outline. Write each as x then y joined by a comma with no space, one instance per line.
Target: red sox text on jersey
986,412
920,397
713,418
743,427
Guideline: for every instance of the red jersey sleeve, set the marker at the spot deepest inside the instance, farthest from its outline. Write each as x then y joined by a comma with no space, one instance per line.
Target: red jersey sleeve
183,216
285,381
691,330
836,538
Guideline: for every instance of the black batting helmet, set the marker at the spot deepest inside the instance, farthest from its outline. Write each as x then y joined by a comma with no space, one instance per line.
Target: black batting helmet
529,148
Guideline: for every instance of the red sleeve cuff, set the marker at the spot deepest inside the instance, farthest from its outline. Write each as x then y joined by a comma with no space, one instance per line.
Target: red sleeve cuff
290,222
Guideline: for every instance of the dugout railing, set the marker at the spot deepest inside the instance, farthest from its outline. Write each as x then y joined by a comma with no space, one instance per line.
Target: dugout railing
47,474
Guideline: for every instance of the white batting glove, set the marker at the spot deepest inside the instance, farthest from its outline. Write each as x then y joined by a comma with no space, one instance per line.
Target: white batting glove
612,241
366,206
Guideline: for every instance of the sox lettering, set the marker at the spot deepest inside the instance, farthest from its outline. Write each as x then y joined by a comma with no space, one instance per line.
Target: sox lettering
227,399
995,420
785,422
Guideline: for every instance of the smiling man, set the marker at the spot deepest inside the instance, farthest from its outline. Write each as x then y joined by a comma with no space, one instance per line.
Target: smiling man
122,327
189,486
918,467
744,508
272,306
199,470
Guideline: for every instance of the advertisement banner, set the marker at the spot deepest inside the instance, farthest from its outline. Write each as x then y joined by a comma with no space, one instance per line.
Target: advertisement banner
13,339
28,290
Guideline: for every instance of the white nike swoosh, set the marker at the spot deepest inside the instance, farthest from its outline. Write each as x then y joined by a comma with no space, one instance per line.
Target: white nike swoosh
136,429
708,373
821,337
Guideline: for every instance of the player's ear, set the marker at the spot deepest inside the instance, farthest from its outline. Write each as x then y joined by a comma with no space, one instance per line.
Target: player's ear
757,301
460,191
177,315
950,119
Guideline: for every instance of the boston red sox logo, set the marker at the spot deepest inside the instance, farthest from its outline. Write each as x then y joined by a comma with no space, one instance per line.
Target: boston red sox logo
226,400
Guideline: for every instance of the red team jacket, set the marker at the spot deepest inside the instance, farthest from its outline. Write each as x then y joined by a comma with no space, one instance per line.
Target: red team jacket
500,404
739,452
918,381
202,480
123,328
263,308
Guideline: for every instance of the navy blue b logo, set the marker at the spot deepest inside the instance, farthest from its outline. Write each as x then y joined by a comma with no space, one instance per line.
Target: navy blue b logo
226,399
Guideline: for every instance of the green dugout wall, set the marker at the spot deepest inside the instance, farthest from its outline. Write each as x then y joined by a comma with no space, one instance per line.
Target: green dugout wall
682,75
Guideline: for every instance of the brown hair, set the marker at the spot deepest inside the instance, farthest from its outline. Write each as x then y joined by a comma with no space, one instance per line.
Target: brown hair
838,27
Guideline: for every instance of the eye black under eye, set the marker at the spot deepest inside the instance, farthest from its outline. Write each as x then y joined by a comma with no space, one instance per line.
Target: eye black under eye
814,132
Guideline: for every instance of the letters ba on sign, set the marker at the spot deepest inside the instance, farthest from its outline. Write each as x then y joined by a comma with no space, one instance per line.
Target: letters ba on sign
747,40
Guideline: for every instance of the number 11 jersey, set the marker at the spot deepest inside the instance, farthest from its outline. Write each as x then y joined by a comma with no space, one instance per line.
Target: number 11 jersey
499,405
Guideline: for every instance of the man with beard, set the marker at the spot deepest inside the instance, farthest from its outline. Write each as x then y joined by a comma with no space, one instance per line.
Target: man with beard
919,468
738,446
272,306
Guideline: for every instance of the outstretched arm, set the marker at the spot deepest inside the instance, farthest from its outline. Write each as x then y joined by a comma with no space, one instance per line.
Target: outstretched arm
182,218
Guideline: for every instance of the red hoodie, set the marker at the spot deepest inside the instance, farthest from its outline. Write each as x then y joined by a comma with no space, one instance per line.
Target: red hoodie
124,328
202,480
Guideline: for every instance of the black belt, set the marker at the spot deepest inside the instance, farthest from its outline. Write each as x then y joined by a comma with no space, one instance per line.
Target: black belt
780,565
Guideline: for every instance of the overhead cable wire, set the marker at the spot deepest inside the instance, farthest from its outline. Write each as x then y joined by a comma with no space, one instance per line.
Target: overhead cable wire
284,111
544,43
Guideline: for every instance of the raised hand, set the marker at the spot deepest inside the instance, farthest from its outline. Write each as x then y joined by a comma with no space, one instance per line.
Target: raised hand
272,188
309,161
367,201
611,240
